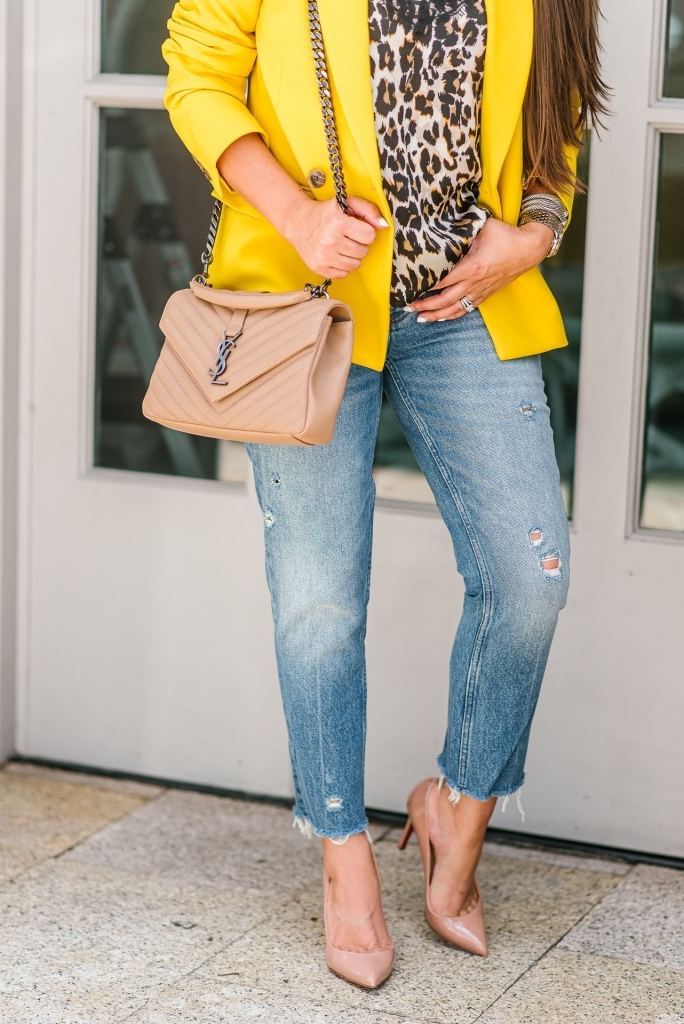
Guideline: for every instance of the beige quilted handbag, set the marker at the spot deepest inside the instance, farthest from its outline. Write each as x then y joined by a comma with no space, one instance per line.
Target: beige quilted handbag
257,366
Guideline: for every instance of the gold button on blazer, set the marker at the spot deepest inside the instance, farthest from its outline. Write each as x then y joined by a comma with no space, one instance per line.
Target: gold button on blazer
240,66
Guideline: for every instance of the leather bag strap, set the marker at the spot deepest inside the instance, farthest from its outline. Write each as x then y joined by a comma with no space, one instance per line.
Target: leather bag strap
331,138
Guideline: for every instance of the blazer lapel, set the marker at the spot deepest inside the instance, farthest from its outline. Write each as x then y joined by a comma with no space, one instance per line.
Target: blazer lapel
347,46
345,31
510,33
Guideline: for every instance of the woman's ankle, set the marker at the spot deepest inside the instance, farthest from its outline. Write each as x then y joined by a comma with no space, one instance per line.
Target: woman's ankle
457,831
466,817
356,921
349,858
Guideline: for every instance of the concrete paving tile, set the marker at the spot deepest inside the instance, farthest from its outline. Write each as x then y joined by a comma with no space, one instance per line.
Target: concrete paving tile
564,860
529,906
378,832
89,945
572,988
194,1000
42,817
38,771
642,920
228,843
395,834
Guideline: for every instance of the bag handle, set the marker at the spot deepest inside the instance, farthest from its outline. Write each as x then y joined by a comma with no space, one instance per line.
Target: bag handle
325,97
331,138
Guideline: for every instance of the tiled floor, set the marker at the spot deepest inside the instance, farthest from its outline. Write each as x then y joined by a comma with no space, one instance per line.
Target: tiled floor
121,902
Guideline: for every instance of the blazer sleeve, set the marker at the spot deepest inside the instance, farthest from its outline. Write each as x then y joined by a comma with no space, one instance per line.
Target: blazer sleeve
568,196
211,51
571,156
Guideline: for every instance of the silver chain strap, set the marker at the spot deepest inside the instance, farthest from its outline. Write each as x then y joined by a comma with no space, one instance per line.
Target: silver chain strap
325,96
207,256
332,141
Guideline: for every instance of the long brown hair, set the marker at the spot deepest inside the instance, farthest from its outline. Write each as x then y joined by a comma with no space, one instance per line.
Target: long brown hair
566,93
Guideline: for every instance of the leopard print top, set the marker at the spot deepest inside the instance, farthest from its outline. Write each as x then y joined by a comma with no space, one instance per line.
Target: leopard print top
427,63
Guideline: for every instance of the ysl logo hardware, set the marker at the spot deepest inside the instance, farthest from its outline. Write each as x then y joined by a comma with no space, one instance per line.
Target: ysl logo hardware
225,348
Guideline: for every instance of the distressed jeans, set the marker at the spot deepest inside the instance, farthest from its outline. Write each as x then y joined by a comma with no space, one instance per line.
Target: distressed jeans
480,430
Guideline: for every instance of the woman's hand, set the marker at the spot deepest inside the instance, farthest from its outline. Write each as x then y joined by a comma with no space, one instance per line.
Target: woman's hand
330,242
499,254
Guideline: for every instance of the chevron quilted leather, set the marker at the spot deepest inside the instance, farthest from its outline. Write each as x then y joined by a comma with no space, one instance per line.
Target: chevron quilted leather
251,367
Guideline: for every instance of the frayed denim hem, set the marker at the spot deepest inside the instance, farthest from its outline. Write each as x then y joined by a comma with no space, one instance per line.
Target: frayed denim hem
307,829
455,793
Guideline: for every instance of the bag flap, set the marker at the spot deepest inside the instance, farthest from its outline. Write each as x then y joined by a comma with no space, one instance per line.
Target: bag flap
195,330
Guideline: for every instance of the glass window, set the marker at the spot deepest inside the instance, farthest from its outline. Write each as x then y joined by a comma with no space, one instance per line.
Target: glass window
132,34
397,474
662,506
154,211
674,57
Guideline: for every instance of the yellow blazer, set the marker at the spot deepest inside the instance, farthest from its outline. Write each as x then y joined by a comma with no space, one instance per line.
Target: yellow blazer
240,66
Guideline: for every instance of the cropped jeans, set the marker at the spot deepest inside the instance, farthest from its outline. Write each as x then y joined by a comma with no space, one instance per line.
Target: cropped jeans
480,430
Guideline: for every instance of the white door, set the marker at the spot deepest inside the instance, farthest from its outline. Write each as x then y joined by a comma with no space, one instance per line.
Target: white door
144,628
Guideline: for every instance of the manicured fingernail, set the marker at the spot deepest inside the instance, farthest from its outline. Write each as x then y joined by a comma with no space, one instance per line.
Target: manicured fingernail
421,320
383,223
441,320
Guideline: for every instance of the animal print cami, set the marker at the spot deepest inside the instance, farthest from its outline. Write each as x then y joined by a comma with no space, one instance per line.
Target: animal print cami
427,63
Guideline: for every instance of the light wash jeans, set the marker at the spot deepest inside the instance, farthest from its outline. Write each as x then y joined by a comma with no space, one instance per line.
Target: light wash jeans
480,430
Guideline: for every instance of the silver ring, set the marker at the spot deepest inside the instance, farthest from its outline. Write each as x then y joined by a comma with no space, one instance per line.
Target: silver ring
467,304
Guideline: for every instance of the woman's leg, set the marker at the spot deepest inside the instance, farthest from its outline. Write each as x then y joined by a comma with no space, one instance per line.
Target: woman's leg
481,432
318,512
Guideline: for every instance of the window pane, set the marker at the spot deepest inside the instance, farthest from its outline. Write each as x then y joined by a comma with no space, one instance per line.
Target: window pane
132,34
397,475
663,491
154,211
674,59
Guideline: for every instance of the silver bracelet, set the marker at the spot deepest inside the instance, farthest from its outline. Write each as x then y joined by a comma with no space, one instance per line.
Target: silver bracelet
549,210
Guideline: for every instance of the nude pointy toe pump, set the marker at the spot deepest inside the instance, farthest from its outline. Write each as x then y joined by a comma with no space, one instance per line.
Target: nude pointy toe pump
467,931
369,970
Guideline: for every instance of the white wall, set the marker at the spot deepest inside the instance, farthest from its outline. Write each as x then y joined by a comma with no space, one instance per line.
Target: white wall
10,202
